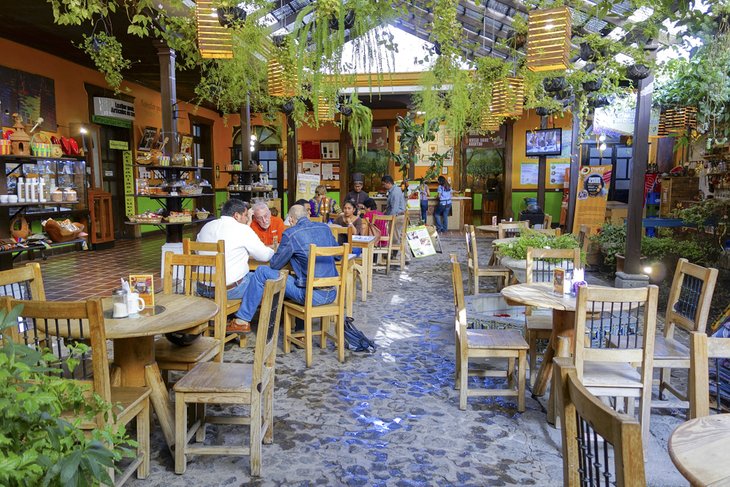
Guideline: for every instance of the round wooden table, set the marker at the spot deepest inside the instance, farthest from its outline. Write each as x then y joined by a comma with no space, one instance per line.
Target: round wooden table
699,449
488,228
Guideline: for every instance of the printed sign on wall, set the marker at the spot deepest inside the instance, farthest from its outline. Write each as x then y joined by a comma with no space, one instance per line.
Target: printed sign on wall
129,201
592,193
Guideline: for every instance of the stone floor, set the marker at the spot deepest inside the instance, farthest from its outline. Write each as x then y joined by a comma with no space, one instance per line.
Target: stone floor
390,418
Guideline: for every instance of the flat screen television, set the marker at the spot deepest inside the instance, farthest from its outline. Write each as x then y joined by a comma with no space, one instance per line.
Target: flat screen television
544,142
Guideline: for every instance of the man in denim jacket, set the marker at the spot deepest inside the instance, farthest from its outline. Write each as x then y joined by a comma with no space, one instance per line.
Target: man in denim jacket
294,249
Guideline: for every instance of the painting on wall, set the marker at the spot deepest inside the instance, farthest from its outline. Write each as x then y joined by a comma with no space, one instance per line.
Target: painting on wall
30,95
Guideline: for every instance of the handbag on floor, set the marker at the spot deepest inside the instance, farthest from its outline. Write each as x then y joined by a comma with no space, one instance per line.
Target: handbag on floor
356,340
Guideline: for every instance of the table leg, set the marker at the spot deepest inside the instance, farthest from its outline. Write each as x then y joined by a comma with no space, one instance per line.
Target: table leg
367,257
160,400
563,325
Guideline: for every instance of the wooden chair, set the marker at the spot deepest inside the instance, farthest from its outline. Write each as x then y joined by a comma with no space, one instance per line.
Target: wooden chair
356,264
703,348
63,323
383,251
584,237
191,247
481,344
593,433
249,385
319,218
23,283
472,258
194,275
308,311
614,336
687,309
552,232
547,221
540,267
511,229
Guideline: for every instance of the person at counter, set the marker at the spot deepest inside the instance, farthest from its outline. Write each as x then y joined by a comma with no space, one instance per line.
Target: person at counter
357,195
396,206
423,194
443,209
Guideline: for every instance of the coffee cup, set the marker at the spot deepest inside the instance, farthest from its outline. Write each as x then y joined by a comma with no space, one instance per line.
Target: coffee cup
135,304
12,198
3,198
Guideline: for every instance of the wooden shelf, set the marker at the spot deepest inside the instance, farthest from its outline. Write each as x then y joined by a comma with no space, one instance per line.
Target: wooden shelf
166,224
166,196
46,203
178,168
33,159
249,171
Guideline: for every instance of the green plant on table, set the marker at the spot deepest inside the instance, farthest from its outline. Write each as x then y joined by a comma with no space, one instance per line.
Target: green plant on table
529,239
38,445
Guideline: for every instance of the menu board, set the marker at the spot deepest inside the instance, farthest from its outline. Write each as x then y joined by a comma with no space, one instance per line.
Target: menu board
591,197
419,241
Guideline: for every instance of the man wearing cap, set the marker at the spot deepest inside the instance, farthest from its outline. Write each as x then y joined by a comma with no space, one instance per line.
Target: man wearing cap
357,196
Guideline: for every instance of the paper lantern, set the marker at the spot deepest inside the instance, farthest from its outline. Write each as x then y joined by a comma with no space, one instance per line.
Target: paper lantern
677,120
324,113
508,97
214,40
277,84
548,39
489,123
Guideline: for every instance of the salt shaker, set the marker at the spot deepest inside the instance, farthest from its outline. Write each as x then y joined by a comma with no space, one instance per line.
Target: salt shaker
119,303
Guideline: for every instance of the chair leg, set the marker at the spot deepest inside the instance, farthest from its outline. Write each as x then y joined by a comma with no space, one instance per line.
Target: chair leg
464,376
143,440
532,343
287,332
255,436
340,324
200,414
521,366
457,362
387,261
268,395
476,283
644,412
308,340
511,372
665,378
181,429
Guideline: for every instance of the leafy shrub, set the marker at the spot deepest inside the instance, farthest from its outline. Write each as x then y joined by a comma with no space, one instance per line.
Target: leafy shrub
529,239
37,445
612,240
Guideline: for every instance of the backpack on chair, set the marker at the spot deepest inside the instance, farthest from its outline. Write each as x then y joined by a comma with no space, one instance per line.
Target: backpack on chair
356,340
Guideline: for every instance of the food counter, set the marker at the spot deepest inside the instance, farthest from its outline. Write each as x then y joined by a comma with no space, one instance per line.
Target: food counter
456,218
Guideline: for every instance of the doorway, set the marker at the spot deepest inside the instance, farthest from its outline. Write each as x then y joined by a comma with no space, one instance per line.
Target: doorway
112,175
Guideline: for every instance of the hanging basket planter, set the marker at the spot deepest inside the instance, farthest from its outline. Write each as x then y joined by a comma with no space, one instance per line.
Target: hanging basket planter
349,21
637,72
287,108
677,120
324,113
553,85
598,101
548,39
591,86
508,97
489,123
230,16
542,111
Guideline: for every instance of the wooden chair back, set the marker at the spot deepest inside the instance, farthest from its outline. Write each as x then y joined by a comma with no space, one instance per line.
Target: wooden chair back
338,282
547,221
23,283
389,225
616,325
552,232
199,275
704,349
689,298
319,218
472,254
457,282
65,324
342,234
541,263
586,457
511,229
267,333
191,247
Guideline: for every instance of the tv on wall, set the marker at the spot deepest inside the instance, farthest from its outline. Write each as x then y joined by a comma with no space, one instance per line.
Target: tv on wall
544,142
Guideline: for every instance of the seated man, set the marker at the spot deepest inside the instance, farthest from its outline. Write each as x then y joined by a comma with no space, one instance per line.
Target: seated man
266,226
294,250
241,242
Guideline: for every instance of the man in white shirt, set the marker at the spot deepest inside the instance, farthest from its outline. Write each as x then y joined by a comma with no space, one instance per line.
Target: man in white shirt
241,243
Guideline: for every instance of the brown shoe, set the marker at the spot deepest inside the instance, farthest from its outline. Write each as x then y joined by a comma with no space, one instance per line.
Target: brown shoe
238,326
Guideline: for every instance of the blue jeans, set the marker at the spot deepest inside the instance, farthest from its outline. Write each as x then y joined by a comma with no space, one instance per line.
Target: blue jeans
441,216
424,210
251,291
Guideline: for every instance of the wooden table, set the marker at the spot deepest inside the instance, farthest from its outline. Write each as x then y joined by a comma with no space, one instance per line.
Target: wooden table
699,449
134,346
488,228
494,259
367,244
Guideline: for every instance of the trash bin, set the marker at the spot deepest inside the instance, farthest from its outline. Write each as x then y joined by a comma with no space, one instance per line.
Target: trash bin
535,218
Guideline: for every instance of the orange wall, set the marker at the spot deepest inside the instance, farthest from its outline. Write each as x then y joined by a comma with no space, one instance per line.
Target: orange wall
72,100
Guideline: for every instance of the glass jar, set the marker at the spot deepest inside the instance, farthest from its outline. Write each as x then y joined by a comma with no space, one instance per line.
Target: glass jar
69,194
56,195
119,303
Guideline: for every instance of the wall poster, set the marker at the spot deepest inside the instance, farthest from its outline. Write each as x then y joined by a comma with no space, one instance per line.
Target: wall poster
528,173
30,95
306,184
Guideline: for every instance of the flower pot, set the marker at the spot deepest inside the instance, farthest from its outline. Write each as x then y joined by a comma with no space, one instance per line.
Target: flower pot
591,86
517,266
230,16
587,53
637,72
345,110
288,107
349,21
553,85
542,111
598,101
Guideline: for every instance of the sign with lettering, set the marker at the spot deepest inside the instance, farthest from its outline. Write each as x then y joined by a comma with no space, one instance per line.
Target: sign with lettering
129,201
379,140
119,144
492,140
111,107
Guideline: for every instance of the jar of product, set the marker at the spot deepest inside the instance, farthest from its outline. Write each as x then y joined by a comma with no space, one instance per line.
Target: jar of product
56,195
69,194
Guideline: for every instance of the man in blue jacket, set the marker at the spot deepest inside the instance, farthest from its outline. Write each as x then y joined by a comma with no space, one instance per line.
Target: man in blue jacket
294,249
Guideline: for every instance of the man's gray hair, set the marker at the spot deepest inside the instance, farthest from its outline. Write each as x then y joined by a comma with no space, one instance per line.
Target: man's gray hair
297,212
261,206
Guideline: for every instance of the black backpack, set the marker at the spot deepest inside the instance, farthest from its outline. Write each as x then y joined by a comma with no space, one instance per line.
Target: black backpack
356,340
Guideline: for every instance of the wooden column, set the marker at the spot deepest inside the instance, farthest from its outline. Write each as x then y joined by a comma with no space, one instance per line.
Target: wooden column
246,133
574,169
541,171
291,162
508,153
634,230
345,146
168,93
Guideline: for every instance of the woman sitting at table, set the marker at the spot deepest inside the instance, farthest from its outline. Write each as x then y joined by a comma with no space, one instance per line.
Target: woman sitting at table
349,218
369,207
321,204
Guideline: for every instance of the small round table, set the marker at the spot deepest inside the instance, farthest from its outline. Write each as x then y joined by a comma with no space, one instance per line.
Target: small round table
699,449
488,228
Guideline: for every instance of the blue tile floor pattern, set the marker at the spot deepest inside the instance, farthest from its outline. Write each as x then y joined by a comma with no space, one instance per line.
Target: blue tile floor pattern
391,418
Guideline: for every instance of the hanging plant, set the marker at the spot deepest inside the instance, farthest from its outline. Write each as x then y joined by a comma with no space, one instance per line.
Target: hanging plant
412,135
593,85
553,85
106,52
637,72
358,123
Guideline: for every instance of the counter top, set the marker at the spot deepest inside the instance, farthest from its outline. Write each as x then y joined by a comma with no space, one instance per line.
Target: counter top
430,198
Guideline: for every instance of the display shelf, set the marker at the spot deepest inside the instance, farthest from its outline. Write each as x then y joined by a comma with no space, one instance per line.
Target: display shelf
34,159
46,203
247,171
167,196
177,168
167,224
32,247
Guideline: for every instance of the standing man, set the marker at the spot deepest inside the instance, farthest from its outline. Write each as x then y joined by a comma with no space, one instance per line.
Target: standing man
241,242
357,195
395,206
294,250
266,226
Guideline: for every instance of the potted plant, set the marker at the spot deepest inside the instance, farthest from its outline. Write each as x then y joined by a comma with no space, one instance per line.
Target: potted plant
514,254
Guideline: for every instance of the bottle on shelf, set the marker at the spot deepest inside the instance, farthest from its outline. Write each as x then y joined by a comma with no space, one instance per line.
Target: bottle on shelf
21,189
42,190
32,186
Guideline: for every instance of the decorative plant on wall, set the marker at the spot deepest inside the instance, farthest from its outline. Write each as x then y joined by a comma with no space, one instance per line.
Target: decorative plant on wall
412,134
106,52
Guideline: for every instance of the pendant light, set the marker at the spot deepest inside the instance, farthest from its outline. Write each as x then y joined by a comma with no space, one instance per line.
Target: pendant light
548,39
214,40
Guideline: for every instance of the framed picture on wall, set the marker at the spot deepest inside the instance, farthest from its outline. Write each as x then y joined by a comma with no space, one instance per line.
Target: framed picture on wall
186,144
148,139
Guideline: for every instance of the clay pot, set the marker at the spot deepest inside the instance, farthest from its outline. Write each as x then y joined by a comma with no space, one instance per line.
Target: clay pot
553,85
637,72
591,86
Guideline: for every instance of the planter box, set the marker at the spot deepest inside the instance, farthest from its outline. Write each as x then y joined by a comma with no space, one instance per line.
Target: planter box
517,266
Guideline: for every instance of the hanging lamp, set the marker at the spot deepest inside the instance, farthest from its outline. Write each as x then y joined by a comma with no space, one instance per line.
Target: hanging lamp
548,39
214,40
276,82
508,97
677,120
324,111
489,122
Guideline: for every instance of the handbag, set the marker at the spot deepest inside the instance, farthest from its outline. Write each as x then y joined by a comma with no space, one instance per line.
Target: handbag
372,231
356,340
